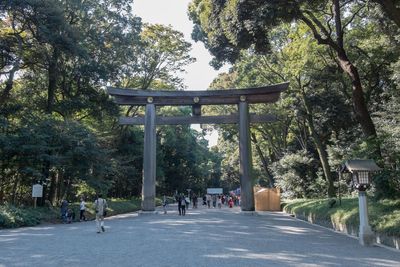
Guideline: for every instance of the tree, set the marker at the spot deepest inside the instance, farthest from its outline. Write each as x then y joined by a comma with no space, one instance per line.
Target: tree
226,27
162,55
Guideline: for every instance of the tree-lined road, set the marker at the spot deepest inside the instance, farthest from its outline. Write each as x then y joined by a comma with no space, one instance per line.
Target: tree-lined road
204,237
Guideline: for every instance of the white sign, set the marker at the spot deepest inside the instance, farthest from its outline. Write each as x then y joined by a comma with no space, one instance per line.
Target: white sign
37,190
214,191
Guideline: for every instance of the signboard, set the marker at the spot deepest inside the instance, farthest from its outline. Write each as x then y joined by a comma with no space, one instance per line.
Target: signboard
37,190
214,191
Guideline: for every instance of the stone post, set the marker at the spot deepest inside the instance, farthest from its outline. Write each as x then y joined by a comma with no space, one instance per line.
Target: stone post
246,182
366,236
149,160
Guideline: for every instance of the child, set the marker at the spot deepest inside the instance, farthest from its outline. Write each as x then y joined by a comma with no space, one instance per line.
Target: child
70,215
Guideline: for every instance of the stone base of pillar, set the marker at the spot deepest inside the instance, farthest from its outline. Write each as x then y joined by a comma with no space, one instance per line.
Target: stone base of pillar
249,213
366,236
148,203
144,212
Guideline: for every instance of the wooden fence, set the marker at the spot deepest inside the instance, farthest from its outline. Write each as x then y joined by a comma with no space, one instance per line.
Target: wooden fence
267,199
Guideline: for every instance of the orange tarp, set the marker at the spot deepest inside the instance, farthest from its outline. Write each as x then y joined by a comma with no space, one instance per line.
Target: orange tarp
267,199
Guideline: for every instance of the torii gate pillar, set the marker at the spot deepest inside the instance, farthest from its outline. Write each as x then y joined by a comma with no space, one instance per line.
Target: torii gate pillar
246,181
149,160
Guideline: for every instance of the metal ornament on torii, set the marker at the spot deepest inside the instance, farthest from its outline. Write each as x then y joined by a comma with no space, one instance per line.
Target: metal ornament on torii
240,97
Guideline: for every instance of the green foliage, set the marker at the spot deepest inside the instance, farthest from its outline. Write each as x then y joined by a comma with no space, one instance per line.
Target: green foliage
184,160
58,126
387,184
384,216
12,217
294,174
318,113
162,55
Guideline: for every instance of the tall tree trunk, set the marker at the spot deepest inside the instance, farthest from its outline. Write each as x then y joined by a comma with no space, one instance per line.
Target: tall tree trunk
66,189
323,156
336,42
51,89
9,84
360,107
264,161
324,36
53,192
53,77
14,189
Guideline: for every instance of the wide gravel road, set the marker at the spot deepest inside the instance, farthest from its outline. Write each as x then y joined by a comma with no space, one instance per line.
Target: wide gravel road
204,237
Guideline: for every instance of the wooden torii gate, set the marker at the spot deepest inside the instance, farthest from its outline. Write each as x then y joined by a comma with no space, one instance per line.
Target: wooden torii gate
240,97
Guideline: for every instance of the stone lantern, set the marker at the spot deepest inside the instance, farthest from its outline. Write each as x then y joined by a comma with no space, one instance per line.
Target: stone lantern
361,171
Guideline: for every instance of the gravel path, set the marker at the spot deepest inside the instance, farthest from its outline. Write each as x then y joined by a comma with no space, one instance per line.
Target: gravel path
204,237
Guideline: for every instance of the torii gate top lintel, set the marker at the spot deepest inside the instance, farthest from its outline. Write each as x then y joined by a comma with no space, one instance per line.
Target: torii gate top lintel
264,94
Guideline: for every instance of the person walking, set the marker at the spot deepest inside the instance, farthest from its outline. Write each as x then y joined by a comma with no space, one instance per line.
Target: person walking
208,197
82,209
219,202
194,200
100,206
64,210
165,202
214,201
179,199
183,205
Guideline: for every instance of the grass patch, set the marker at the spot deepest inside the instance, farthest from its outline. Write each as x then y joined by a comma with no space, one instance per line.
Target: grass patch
384,215
12,217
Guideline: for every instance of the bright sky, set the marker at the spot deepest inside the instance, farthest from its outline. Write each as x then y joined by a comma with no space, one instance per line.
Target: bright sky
174,12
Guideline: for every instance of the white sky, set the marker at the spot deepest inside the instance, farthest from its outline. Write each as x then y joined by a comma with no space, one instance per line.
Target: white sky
198,75
174,12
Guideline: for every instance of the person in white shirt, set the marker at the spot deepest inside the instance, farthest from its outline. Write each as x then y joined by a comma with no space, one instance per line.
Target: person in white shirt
219,202
82,209
100,206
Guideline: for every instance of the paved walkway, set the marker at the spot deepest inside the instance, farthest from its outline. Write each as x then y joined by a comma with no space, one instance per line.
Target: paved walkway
204,237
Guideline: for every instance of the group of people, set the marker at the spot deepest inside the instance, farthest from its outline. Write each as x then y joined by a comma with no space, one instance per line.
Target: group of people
182,203
68,214
100,206
220,200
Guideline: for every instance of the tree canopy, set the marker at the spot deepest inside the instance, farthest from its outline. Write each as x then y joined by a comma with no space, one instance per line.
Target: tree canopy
340,57
58,127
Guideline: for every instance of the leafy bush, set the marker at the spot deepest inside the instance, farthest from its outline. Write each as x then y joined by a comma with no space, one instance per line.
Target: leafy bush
384,215
295,174
387,184
11,217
